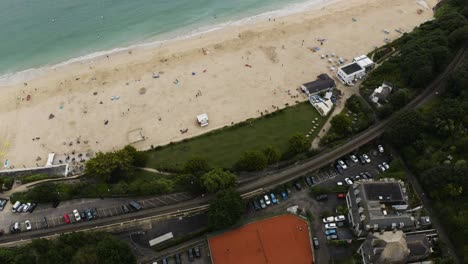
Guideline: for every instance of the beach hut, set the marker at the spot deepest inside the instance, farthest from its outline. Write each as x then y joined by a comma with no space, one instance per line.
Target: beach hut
202,119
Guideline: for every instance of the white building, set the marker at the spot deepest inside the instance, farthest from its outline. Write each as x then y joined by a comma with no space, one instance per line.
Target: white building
323,106
202,120
350,72
381,93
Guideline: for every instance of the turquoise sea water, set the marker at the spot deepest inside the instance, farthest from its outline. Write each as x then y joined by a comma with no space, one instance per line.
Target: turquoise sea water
35,33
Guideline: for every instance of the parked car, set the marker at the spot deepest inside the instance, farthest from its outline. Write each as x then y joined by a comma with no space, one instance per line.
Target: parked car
308,181
321,197
298,186
66,218
89,214
368,160
273,198
348,181
197,252
3,202
177,258
329,219
256,205
165,261
339,169
288,191
354,158
341,195
77,215
83,215
330,226
339,183
381,168
332,237
55,204
316,243
340,218
342,164
95,213
28,225
32,207
330,232
284,196
125,208
20,208
15,207
190,254
135,205
386,166
362,159
267,200
368,174
44,223
381,150
262,203
25,208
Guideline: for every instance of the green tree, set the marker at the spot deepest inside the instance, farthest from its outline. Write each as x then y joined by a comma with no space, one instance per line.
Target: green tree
85,255
111,166
298,144
226,209
217,180
196,166
111,251
341,124
405,128
272,154
251,161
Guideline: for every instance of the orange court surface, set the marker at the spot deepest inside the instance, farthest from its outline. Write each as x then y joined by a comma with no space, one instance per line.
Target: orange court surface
282,239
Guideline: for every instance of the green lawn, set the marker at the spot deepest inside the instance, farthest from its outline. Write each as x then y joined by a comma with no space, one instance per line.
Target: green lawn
223,147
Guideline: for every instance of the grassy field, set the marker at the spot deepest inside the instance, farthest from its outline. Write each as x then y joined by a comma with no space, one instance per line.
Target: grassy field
223,147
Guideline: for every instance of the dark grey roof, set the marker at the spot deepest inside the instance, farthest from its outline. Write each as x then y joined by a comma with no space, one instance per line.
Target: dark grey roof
419,246
323,82
389,191
350,68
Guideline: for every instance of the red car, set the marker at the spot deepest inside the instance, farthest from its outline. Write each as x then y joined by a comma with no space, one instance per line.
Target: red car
66,218
341,195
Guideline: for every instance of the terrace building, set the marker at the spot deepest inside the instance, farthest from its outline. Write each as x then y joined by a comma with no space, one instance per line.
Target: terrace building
378,206
394,248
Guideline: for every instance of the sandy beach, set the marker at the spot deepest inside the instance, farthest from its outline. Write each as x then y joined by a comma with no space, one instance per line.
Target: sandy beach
231,74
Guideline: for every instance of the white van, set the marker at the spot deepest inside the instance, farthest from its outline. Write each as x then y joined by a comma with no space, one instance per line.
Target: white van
15,206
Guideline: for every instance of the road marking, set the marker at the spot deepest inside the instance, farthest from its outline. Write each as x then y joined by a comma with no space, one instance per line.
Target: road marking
163,202
168,196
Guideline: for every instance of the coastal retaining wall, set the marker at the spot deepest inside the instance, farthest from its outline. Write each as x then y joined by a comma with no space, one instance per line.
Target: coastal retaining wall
54,170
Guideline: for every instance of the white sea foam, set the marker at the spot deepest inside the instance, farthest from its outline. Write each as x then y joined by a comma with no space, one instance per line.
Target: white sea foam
25,75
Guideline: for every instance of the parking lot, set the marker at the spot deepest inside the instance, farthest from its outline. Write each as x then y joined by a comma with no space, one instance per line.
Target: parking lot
326,178
107,207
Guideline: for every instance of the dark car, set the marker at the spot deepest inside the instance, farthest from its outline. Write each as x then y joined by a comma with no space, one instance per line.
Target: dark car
125,209
313,180
316,243
298,186
177,258
44,223
321,197
284,196
368,174
32,207
288,191
197,252
165,261
95,213
83,215
55,204
339,169
256,205
190,255
89,213
262,203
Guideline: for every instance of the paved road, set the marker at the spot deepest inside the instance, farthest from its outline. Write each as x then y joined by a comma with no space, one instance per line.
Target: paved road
269,181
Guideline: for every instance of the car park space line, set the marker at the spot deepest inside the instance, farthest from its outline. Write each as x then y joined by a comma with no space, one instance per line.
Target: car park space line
163,202
168,196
